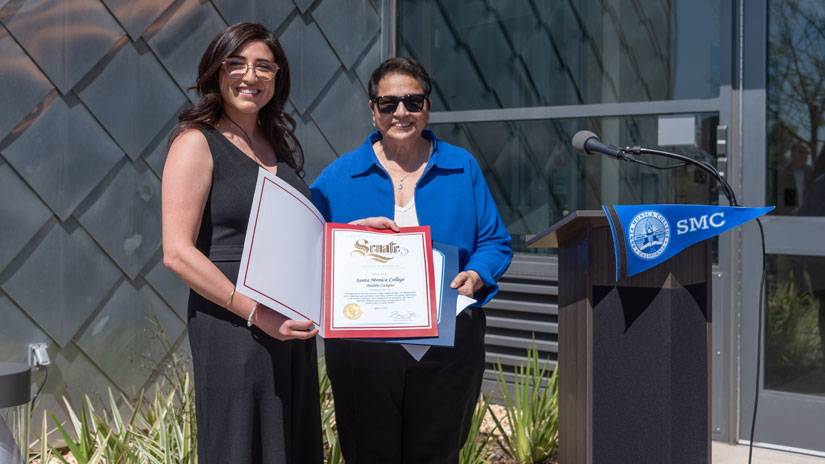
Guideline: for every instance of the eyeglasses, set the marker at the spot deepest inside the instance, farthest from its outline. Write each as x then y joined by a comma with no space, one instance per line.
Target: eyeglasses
237,69
388,103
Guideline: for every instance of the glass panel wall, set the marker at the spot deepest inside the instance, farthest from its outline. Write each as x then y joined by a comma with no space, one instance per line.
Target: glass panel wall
796,107
91,90
537,177
795,324
504,54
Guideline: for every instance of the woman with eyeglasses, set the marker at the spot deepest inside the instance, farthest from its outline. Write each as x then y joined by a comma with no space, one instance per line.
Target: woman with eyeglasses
256,383
390,408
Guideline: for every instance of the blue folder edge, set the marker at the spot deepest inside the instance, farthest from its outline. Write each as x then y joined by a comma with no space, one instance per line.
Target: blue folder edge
446,307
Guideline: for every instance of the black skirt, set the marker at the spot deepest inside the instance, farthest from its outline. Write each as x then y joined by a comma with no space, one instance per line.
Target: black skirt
256,397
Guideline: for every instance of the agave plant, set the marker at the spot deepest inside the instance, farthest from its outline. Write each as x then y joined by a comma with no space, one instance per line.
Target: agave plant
331,444
474,450
530,411
89,442
39,449
166,429
161,430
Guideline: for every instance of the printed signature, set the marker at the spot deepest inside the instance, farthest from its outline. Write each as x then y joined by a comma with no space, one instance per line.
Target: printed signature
402,315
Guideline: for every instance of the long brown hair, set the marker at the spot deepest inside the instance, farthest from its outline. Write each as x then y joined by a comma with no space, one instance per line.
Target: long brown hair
278,127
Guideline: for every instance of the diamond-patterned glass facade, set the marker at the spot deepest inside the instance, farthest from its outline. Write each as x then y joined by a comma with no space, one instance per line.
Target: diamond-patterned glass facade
63,155
137,16
125,219
17,331
155,153
317,151
370,61
348,33
183,38
133,79
22,217
92,89
311,61
24,86
267,12
72,375
126,338
62,282
169,286
66,39
344,133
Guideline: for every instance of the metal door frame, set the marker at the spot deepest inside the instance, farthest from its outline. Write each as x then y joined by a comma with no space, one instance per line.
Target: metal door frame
785,421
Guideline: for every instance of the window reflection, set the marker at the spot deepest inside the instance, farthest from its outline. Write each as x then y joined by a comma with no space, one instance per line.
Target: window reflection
504,53
796,107
795,324
537,177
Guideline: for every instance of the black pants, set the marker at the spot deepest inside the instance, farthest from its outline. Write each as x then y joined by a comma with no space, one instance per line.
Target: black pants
391,409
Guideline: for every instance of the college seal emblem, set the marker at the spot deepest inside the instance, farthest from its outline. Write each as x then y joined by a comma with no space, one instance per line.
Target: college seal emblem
352,311
648,234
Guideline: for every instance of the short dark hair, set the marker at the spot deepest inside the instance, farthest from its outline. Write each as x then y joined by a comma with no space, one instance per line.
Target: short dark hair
400,65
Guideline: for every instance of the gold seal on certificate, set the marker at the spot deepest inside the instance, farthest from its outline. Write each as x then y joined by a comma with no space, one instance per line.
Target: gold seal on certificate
352,311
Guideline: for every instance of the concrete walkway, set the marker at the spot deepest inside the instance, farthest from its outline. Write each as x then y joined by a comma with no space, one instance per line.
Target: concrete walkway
724,453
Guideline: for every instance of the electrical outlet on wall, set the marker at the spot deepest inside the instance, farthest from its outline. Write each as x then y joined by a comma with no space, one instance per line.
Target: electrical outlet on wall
38,354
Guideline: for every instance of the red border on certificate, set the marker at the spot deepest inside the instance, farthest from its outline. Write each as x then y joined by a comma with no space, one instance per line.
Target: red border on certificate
254,225
428,330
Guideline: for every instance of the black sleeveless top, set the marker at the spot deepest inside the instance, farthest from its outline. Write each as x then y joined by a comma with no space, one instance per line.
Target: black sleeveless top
226,214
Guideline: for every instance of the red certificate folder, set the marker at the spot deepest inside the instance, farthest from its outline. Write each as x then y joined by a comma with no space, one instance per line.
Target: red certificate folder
377,250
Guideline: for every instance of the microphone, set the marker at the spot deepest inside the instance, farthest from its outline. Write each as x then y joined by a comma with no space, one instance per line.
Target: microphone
588,143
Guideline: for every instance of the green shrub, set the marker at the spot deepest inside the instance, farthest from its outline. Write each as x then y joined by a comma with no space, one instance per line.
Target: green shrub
332,447
792,338
162,429
530,411
157,431
475,448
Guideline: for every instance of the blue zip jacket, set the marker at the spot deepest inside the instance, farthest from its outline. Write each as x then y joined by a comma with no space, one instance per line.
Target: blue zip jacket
451,197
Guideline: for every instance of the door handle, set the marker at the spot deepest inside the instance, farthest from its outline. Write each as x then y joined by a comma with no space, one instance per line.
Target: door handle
722,150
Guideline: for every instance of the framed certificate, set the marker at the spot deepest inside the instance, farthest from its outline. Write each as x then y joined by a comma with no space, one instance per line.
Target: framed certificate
378,283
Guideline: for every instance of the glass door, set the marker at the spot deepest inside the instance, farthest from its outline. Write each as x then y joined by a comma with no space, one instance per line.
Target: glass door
784,119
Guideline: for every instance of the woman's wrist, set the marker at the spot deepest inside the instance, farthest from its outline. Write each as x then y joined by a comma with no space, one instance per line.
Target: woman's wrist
252,317
231,298
245,308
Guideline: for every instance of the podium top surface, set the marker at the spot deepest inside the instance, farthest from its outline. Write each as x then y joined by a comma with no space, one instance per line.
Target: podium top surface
566,226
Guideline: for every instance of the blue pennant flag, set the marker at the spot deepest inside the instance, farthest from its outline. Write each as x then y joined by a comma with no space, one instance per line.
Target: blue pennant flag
652,234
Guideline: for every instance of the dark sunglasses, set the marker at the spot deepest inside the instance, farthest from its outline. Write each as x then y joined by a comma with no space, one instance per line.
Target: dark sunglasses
388,103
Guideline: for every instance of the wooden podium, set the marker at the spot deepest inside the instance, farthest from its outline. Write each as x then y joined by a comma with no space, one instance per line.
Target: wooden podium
634,355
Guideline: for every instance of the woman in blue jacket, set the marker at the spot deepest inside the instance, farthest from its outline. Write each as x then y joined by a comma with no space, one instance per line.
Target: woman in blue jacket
389,407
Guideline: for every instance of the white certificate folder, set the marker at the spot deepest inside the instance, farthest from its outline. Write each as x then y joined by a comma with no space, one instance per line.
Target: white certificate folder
281,265
288,246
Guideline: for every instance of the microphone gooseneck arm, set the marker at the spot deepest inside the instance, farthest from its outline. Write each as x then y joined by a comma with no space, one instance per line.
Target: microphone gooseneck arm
726,188
588,143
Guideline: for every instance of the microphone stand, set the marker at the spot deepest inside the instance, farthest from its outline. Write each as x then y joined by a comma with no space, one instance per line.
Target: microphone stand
627,152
